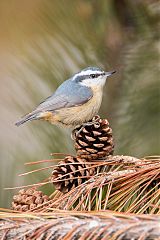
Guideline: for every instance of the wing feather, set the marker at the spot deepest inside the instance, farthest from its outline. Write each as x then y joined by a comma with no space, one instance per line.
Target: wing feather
69,94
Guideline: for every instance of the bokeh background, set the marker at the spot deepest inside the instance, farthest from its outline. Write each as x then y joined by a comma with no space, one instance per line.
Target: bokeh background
42,43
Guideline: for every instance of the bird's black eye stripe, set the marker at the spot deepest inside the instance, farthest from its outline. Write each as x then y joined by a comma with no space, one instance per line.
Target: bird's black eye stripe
94,75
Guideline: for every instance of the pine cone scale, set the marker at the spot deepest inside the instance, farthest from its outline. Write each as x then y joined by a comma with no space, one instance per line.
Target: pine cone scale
96,133
98,145
91,139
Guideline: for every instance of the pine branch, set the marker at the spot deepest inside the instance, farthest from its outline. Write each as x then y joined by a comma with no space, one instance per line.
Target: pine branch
119,183
72,225
125,184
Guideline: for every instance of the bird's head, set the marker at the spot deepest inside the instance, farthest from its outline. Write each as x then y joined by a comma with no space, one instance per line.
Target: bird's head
92,77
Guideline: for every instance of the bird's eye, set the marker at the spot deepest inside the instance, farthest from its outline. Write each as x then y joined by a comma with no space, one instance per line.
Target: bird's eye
93,75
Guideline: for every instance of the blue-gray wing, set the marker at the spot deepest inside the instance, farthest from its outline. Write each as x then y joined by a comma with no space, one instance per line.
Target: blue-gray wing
67,95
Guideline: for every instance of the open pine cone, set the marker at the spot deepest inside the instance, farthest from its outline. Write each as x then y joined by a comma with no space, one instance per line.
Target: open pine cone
94,141
71,172
28,199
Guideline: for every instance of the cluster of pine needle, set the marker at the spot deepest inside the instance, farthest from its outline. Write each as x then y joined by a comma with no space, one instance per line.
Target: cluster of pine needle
97,195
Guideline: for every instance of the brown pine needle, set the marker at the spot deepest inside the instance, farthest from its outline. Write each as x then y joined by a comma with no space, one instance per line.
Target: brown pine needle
43,161
62,164
36,170
27,186
61,154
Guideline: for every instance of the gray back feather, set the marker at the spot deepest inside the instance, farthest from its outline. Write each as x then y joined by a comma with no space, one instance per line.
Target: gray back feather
68,94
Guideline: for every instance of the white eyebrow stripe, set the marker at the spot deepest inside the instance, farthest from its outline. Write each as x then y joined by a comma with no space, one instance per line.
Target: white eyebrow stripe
88,72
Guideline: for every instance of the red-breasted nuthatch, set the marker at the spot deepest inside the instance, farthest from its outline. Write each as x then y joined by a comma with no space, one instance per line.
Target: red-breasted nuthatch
75,102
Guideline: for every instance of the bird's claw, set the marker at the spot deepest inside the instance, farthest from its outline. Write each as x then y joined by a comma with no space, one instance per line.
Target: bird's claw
73,134
95,122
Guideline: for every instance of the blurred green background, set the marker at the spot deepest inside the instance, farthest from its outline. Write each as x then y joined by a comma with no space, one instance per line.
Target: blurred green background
42,43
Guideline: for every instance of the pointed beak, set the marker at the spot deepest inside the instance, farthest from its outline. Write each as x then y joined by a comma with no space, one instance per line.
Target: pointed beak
107,74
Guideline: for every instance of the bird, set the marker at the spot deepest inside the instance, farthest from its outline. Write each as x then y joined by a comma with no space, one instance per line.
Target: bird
75,102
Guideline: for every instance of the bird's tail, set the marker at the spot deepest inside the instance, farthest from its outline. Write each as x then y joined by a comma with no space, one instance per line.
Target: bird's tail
26,118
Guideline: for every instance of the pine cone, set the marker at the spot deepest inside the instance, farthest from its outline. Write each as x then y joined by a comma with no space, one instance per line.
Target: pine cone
71,172
28,199
94,141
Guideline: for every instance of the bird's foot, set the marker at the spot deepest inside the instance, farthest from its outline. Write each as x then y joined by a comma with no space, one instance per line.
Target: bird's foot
73,134
94,122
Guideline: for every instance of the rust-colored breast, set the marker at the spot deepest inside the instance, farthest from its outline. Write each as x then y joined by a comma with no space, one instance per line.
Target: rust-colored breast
50,117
